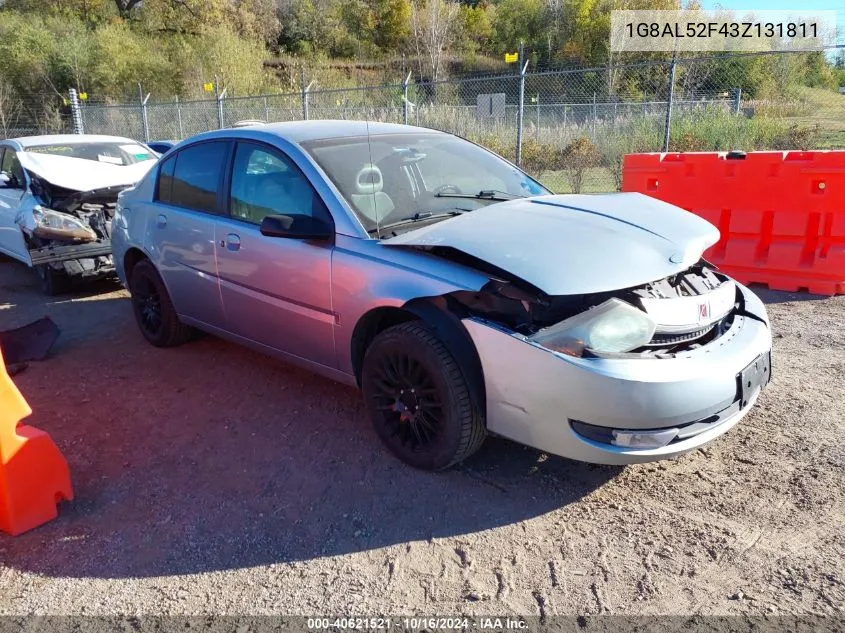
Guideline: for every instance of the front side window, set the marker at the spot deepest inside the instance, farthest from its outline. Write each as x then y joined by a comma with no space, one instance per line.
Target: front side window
392,177
265,182
197,175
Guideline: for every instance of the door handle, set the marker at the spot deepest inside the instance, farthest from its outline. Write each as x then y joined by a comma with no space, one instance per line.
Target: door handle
233,242
161,222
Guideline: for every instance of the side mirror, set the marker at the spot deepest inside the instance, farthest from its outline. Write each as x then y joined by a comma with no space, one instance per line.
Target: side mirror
298,227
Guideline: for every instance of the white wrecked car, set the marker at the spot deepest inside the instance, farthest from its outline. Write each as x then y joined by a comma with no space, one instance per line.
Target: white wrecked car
57,201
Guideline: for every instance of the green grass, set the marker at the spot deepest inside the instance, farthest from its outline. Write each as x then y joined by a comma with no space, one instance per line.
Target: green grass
826,109
596,180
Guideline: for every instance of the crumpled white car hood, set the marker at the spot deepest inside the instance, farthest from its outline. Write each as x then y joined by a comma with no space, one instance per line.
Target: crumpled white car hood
81,174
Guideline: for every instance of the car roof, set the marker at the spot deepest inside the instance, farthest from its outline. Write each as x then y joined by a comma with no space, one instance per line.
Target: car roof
304,131
49,139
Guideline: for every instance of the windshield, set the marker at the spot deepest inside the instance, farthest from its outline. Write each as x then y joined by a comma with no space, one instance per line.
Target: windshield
114,153
398,177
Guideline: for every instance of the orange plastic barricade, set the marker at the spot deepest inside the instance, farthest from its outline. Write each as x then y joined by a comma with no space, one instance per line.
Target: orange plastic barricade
781,214
34,475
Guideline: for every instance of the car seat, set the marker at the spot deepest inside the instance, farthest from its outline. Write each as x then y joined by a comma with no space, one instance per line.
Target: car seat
370,200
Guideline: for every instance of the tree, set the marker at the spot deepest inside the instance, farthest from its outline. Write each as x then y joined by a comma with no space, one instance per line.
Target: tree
433,26
476,27
393,24
520,21
89,11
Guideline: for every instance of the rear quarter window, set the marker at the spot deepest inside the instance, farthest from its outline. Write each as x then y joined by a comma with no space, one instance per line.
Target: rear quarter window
165,180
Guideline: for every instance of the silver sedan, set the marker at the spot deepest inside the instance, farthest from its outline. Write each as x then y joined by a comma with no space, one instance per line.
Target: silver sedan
457,292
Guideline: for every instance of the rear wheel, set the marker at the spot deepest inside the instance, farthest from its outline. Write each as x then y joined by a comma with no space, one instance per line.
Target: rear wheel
419,401
153,309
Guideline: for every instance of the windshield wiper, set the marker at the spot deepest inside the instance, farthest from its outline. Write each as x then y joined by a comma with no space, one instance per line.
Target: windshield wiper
417,217
484,194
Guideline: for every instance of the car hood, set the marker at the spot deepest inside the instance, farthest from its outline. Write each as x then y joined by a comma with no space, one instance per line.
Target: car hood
575,244
81,174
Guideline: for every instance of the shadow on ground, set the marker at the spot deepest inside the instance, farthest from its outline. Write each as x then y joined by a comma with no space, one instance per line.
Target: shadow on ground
211,457
780,296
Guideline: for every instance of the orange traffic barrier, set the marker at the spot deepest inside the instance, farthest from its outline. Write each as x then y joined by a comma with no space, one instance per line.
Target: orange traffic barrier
781,214
34,476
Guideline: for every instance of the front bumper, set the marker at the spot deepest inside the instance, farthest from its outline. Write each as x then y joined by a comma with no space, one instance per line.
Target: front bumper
534,395
57,252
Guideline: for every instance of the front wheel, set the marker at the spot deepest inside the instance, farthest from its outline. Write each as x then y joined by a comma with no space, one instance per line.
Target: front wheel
53,282
419,401
154,312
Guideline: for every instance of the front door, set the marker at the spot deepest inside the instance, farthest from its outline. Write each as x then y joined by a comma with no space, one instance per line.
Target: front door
276,291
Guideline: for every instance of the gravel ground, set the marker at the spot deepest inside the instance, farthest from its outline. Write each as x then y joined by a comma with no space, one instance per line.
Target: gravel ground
210,479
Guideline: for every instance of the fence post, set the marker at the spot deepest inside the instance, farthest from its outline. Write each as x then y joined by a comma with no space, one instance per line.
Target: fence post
520,113
305,92
405,105
670,97
144,120
595,114
179,118
221,120
76,112
737,100
266,110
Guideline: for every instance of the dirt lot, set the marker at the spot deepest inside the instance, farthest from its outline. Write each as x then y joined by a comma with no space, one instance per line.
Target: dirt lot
210,479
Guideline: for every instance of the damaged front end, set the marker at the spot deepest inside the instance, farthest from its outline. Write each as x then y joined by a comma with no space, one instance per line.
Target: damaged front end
659,319
69,231
637,374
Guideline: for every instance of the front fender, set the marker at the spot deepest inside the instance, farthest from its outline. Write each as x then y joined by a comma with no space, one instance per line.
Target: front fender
367,276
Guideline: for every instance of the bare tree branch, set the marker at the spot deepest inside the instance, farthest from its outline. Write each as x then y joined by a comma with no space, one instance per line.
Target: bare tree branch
433,26
10,108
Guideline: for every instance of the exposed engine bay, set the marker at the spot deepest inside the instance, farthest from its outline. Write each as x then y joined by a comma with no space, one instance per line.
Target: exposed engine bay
70,231
688,310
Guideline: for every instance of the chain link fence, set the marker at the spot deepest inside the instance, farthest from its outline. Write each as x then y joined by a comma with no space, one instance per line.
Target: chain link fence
570,128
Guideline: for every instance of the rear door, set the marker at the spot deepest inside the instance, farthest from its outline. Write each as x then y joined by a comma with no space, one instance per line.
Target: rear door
188,202
11,193
276,291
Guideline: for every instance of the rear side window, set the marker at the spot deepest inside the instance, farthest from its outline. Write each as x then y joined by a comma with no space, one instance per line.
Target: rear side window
165,180
196,177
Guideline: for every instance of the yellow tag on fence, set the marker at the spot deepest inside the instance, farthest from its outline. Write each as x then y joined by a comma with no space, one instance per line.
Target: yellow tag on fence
511,58
83,96
208,87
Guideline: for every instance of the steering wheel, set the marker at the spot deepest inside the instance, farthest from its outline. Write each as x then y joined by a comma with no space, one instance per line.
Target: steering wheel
447,188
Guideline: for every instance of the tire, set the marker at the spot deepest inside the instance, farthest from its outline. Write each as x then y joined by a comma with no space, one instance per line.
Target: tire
154,312
419,401
53,282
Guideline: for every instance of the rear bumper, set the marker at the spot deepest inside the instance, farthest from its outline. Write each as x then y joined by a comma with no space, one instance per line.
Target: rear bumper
539,398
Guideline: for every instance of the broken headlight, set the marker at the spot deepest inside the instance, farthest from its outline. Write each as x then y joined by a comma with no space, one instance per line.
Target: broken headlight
55,225
613,326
